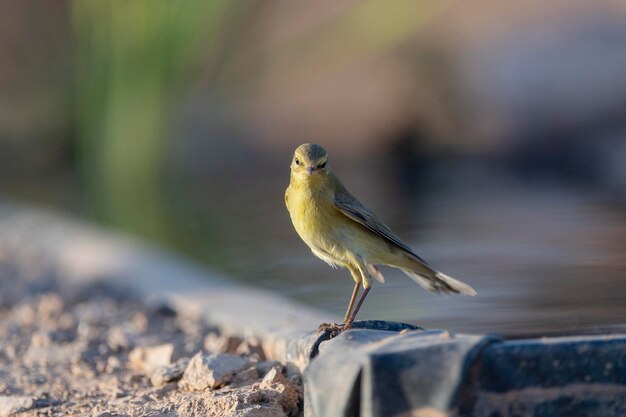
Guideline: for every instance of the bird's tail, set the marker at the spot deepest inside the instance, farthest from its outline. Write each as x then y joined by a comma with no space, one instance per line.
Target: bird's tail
441,283
435,281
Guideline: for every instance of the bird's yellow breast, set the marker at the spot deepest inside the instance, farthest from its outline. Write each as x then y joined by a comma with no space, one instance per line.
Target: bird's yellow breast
330,234
316,220
310,211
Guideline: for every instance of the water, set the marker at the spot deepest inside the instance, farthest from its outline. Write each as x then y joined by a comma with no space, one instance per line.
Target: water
544,257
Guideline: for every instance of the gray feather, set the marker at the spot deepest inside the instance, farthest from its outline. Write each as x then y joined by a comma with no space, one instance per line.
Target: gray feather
355,210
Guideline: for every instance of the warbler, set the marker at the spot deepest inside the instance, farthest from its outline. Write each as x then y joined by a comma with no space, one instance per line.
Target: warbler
341,231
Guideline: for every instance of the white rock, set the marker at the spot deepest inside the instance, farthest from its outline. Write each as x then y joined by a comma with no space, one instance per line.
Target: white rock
148,359
170,373
211,371
10,405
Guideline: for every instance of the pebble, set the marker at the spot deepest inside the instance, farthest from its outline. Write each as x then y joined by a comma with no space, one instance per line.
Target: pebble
265,366
140,322
251,348
169,373
273,376
9,405
24,315
293,373
50,306
211,371
215,343
247,376
148,359
283,391
13,404
113,364
117,339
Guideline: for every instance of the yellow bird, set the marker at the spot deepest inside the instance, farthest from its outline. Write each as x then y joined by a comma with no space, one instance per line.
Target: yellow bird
344,233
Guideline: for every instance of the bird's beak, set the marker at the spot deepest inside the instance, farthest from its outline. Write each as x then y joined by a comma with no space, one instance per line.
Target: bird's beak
311,169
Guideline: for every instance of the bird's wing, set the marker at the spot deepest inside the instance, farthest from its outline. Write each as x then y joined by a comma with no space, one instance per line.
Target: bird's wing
355,210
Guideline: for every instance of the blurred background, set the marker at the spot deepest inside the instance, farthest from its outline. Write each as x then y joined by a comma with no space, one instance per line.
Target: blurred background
490,135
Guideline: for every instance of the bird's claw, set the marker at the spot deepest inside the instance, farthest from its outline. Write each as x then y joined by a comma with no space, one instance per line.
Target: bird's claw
333,328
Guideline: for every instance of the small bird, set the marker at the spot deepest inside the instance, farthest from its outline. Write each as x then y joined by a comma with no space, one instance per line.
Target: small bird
341,231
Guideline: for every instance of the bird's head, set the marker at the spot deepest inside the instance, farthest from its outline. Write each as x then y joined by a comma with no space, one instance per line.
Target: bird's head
309,161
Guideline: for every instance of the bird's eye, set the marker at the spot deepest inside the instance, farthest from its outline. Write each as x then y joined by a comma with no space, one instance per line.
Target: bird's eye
297,161
322,165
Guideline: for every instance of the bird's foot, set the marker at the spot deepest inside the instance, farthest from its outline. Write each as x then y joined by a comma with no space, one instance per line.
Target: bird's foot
333,328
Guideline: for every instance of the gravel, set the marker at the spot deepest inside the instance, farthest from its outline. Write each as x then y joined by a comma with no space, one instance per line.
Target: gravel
96,351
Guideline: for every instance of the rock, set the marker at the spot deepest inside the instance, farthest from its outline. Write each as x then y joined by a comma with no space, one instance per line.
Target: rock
13,404
293,373
37,355
231,402
113,364
148,359
251,348
169,373
87,331
162,308
215,343
279,389
9,405
140,322
24,315
246,376
67,321
265,366
50,306
117,339
211,371
273,376
271,410
100,313
40,339
61,336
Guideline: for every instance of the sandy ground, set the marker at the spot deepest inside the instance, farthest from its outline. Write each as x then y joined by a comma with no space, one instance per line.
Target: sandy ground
97,352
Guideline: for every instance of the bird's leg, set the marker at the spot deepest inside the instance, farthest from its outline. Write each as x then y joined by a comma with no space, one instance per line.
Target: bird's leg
348,324
359,273
367,284
336,327
355,292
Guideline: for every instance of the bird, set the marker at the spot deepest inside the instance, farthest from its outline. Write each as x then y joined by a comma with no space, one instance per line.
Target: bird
343,232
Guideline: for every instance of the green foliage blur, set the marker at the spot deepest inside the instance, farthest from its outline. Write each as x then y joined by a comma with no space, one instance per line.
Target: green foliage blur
134,61
137,61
